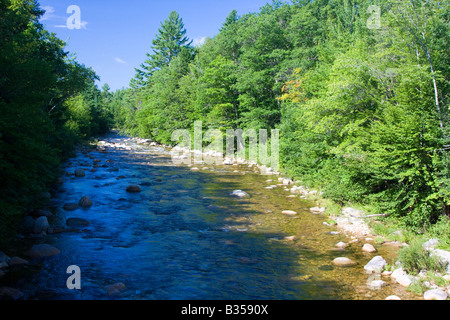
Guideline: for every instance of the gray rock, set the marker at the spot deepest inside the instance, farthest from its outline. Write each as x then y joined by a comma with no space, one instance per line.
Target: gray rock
79,173
41,225
443,255
16,262
430,244
85,202
401,277
77,222
239,194
375,265
42,250
435,294
343,262
70,206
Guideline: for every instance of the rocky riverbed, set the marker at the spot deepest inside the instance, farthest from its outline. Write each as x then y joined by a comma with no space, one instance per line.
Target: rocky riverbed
140,226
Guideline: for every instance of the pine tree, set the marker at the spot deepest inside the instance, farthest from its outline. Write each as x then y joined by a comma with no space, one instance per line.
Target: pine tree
170,42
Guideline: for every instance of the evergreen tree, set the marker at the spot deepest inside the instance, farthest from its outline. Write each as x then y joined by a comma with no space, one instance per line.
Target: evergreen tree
170,42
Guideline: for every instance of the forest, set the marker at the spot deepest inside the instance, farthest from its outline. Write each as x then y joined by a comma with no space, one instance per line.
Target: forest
358,89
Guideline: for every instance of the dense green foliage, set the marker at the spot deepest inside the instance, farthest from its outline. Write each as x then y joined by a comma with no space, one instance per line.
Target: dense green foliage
48,102
362,108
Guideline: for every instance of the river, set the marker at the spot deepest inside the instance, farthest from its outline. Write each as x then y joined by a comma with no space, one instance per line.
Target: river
183,237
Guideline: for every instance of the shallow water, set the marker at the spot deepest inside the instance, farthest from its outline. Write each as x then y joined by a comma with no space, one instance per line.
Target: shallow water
184,237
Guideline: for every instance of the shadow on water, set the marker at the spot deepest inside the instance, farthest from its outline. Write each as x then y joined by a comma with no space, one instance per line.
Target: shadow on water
183,236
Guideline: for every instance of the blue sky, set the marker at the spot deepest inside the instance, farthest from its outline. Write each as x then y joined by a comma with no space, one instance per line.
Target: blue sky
115,35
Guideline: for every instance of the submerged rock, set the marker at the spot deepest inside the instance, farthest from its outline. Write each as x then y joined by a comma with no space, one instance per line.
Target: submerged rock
85,202
79,173
77,222
70,206
343,262
239,194
42,250
133,188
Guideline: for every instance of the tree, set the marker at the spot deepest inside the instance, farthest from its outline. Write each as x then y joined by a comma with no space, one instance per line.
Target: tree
170,42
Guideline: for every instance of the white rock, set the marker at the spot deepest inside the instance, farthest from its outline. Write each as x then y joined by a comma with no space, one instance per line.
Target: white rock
341,244
393,297
435,294
228,162
376,284
343,261
401,277
368,248
289,212
317,210
375,265
239,194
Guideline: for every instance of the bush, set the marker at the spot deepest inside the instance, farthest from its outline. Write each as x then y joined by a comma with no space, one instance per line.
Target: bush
414,259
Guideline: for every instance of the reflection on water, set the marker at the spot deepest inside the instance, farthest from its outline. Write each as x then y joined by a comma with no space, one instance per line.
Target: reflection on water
184,237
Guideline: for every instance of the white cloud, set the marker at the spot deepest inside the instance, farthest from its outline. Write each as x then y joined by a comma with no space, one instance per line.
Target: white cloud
197,42
49,13
118,60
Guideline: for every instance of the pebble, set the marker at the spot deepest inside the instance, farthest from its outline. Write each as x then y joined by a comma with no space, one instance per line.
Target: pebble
343,261
317,210
369,248
341,245
289,212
